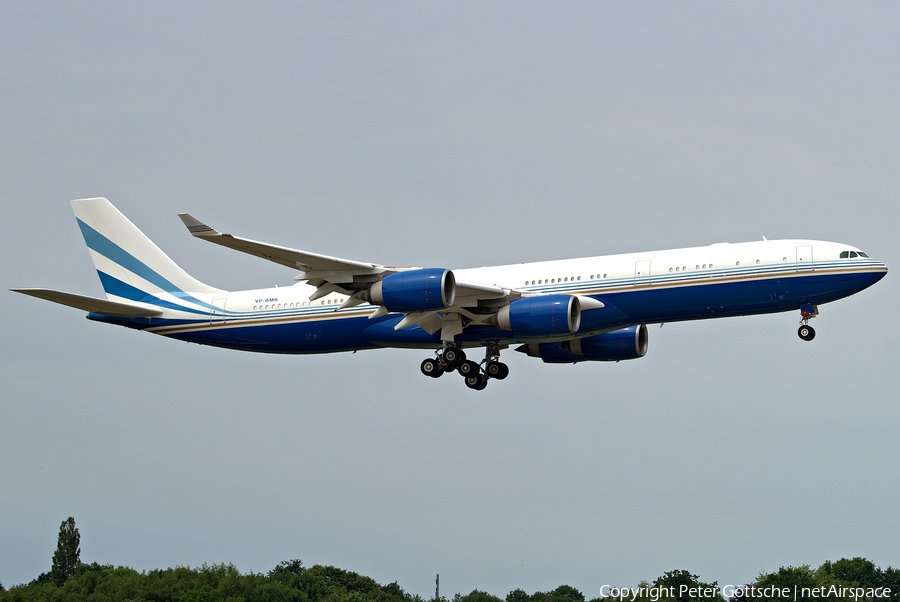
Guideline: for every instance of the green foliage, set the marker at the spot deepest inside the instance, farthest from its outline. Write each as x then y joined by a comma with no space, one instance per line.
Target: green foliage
68,555
857,571
290,581
287,582
476,595
687,587
892,580
517,595
563,593
829,581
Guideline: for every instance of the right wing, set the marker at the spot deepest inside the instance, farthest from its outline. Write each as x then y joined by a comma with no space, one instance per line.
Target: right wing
314,266
475,302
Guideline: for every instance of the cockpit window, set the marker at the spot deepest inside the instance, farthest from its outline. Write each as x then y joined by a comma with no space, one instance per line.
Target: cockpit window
851,254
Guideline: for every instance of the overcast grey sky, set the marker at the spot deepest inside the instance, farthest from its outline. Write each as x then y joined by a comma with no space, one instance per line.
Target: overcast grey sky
454,135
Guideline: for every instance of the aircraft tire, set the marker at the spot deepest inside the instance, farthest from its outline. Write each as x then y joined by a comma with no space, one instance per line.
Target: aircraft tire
468,368
807,333
454,356
431,367
476,382
497,370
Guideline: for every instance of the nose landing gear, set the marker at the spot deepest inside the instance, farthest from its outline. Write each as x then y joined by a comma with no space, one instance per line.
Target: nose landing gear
807,313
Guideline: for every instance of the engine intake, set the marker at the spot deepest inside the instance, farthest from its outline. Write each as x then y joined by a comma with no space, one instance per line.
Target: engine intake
414,290
624,344
548,315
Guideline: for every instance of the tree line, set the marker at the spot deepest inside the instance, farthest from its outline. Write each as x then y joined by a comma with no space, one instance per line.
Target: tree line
70,580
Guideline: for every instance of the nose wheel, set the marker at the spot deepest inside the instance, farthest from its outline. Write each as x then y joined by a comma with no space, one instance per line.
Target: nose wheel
807,313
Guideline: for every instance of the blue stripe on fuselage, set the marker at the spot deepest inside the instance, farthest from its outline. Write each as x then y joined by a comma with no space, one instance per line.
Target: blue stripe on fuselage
116,287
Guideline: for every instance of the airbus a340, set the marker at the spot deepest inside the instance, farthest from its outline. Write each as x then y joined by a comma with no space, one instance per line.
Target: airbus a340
567,311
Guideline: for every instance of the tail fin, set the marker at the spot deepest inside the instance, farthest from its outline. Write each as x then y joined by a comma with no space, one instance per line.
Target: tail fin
128,262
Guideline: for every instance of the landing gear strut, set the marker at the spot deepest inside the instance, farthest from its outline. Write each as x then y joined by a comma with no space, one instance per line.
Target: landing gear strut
451,357
807,312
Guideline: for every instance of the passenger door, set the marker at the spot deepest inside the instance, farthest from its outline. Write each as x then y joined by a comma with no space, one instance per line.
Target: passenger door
642,272
804,258
218,313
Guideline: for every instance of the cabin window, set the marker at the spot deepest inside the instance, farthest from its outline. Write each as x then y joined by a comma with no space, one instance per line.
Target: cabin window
737,263
604,275
579,278
698,267
757,262
671,269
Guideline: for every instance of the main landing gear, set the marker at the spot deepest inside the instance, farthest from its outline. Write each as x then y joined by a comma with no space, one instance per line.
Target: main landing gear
451,357
807,312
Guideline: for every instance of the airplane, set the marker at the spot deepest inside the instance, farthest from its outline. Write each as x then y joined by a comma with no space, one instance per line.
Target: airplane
563,311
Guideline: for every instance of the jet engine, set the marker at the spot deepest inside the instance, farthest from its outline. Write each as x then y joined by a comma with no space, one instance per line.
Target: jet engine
414,290
624,344
548,315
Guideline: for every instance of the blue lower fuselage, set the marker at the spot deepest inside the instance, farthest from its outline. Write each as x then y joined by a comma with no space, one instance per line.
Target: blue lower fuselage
327,331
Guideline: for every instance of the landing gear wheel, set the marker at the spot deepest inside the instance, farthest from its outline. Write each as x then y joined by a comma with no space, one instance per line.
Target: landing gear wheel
807,333
497,370
476,382
454,356
431,367
468,368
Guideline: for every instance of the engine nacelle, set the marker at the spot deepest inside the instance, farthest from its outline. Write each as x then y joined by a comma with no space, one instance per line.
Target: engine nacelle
624,344
415,290
548,315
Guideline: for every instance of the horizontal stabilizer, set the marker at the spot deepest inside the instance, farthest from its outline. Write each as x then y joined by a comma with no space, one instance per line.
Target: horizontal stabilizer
90,304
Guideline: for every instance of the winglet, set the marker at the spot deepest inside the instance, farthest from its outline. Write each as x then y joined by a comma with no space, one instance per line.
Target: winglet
196,227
